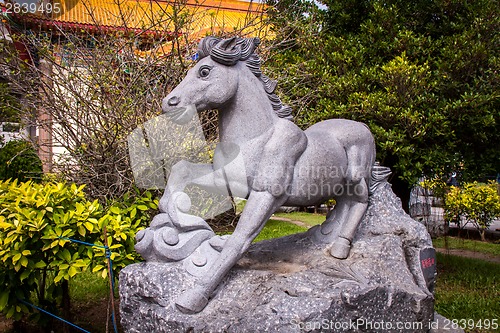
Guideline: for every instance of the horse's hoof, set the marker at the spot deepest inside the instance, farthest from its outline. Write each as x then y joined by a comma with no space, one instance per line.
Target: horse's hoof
191,301
340,248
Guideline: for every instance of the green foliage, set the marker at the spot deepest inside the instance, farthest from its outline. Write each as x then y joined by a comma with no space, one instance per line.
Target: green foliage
18,160
37,222
420,74
478,203
122,220
436,185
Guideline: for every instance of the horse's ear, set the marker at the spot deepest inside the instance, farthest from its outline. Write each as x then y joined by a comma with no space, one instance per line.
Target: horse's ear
229,44
227,51
206,45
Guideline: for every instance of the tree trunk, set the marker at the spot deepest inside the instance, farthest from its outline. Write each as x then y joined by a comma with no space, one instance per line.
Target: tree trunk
66,305
41,290
17,326
482,232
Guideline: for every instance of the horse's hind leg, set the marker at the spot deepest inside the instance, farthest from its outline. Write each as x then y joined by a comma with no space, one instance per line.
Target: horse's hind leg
341,245
359,162
353,202
341,224
334,220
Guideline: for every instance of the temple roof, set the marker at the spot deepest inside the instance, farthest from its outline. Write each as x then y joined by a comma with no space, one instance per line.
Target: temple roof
157,19
198,17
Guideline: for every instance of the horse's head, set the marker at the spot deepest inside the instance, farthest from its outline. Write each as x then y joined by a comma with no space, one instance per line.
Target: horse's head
213,81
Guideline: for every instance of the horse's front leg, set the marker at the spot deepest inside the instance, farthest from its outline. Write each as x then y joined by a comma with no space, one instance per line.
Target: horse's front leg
173,233
185,173
258,210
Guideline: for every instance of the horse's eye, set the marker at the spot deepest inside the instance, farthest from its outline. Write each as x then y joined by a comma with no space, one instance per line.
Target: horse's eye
204,71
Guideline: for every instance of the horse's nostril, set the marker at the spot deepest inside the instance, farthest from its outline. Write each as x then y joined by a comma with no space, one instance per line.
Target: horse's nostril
173,101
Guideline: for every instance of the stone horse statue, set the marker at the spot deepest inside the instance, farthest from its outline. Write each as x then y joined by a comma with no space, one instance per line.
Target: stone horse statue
281,165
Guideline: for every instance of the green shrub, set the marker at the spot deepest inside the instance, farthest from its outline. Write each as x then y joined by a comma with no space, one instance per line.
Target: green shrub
37,222
123,219
437,186
35,255
9,104
478,203
18,160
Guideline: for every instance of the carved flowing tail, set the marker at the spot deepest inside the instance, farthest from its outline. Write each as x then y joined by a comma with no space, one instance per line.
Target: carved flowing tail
379,177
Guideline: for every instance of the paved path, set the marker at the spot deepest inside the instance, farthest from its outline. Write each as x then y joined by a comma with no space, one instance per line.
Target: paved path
470,254
285,219
455,252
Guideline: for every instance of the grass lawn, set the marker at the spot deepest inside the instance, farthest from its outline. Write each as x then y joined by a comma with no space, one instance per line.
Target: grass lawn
274,229
308,218
468,289
88,287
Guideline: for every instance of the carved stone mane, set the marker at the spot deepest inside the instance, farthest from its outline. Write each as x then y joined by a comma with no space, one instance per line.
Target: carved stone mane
229,51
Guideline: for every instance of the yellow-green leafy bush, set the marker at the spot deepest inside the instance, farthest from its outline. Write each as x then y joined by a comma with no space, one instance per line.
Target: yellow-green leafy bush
37,222
122,219
478,203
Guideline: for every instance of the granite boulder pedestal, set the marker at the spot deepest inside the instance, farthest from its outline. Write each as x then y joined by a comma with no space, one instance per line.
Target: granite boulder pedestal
292,284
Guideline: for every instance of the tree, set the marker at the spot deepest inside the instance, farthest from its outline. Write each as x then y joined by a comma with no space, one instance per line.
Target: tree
423,75
478,203
90,88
